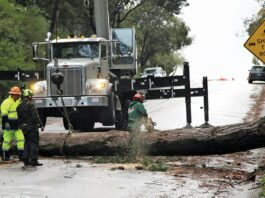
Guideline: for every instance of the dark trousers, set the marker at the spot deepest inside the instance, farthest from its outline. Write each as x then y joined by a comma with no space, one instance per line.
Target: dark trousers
31,146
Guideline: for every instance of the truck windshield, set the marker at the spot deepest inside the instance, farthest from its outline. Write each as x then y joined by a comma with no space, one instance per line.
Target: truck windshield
258,68
149,71
76,50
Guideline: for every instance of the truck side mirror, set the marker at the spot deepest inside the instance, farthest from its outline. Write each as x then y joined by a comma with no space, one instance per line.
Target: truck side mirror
35,52
41,51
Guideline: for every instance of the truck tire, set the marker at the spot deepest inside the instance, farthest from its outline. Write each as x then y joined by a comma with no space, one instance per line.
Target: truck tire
43,118
80,123
119,120
65,124
109,114
87,126
123,122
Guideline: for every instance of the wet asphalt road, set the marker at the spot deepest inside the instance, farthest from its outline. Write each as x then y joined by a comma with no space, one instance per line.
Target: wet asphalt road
229,102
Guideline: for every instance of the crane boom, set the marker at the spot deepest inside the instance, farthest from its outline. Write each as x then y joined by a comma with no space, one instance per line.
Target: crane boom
102,18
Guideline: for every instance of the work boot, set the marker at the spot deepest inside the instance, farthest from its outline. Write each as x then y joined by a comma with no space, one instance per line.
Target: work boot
26,162
20,155
6,156
35,163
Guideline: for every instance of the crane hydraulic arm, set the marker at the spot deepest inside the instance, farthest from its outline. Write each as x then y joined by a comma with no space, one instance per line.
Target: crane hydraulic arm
102,18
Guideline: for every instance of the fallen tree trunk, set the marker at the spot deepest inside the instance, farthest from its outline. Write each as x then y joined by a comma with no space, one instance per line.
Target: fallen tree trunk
194,141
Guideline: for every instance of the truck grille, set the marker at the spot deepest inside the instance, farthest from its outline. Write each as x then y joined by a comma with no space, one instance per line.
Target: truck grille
71,85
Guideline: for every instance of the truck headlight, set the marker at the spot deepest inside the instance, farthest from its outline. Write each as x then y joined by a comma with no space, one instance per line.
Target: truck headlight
39,88
100,85
97,87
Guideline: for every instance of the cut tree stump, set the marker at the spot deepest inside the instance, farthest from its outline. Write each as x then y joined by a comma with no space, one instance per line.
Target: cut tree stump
195,141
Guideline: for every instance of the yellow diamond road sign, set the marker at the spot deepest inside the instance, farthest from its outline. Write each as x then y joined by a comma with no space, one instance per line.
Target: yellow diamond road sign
256,42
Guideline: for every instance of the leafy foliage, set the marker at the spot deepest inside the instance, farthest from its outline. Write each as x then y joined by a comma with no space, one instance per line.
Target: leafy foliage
158,167
19,27
159,34
73,17
167,61
114,159
253,23
121,9
262,192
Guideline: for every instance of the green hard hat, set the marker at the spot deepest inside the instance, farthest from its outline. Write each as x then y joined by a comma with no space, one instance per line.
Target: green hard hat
27,93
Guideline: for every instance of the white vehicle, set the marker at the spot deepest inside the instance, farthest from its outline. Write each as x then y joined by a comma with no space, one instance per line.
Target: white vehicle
89,67
153,71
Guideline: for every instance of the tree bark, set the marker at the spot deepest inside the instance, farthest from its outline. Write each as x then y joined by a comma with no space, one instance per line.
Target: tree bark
195,141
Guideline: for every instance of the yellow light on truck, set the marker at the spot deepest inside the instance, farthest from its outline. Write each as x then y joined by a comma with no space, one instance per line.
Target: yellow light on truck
34,87
100,85
38,86
97,87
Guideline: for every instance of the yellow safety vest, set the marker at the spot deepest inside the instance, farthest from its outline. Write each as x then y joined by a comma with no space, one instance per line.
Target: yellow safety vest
9,108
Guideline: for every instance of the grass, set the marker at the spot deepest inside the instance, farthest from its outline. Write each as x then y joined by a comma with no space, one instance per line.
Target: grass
146,161
262,193
154,166
114,160
158,167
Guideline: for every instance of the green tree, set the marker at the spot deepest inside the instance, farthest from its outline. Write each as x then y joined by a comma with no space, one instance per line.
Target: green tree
121,9
252,23
19,27
66,17
73,17
167,61
158,32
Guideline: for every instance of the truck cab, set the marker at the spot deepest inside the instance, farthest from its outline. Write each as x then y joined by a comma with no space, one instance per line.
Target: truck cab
89,67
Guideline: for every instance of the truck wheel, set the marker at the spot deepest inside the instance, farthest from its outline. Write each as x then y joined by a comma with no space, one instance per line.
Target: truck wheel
83,124
43,119
109,113
125,108
87,126
81,120
65,124
119,121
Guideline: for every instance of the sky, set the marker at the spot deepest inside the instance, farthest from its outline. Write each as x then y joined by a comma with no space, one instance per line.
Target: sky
218,36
